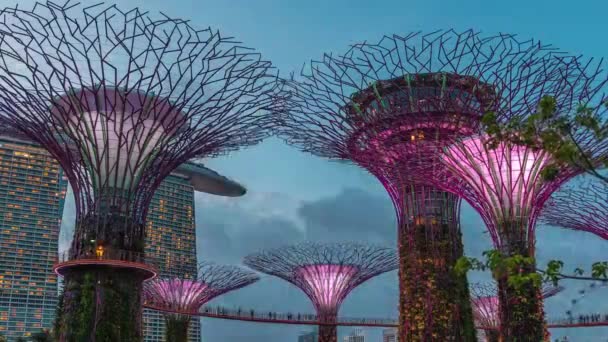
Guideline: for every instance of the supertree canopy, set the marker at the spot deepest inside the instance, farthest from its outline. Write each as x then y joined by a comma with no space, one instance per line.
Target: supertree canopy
486,307
121,99
180,297
507,184
326,273
391,107
579,206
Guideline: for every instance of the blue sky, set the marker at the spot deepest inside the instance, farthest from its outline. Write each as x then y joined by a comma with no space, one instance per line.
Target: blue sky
293,196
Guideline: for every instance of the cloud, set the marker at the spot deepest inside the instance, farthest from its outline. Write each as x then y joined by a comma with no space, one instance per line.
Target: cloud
352,214
230,228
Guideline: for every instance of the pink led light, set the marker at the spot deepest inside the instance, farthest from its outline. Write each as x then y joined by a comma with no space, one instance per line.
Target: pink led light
327,285
123,129
397,143
504,184
178,294
485,311
486,307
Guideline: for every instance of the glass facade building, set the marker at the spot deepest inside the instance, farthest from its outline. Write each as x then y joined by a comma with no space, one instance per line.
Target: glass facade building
171,240
32,195
389,335
356,335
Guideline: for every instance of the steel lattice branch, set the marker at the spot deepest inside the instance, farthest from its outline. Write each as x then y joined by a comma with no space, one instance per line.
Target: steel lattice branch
579,206
326,273
188,295
164,92
485,302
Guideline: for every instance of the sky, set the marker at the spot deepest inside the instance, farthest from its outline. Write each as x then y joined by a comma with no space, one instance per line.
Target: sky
294,197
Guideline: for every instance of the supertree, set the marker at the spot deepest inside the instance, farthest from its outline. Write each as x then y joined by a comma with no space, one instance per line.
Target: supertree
507,182
579,206
181,297
486,307
326,273
391,107
121,99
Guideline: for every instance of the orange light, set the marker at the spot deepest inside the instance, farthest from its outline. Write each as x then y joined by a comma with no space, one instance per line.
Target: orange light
99,251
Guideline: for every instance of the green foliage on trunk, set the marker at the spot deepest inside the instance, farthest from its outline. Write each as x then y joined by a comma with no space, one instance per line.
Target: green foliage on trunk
432,288
102,303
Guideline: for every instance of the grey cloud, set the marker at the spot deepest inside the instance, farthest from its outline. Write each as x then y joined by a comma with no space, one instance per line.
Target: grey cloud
66,232
229,230
352,214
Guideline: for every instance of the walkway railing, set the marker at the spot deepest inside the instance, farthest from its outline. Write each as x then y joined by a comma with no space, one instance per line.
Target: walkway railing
109,255
109,258
252,315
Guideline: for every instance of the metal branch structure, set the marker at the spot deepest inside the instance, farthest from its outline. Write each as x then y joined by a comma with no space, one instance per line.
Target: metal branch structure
505,183
326,273
392,106
183,296
579,206
121,99
486,307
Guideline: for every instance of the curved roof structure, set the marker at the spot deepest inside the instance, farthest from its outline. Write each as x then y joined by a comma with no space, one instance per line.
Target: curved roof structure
206,180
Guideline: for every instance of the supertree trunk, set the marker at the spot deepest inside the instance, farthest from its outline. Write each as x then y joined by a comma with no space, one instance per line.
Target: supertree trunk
328,333
434,302
102,305
176,328
492,335
521,308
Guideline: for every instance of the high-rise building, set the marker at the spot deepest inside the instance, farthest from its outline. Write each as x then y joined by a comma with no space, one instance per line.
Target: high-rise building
389,335
356,335
171,232
311,336
32,194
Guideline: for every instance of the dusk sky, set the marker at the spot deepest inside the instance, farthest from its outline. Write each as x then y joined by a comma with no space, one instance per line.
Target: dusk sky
294,196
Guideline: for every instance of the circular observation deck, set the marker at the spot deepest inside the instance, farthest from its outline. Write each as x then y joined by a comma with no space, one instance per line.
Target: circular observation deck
108,259
396,117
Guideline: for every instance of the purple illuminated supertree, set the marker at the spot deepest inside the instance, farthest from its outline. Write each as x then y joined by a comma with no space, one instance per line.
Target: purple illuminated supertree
391,107
486,307
506,184
579,206
121,99
182,297
326,273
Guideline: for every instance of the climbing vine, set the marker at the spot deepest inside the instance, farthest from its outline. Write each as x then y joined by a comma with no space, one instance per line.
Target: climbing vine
519,292
436,303
104,302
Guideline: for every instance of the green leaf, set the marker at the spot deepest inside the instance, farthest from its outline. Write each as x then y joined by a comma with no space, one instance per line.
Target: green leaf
547,107
549,172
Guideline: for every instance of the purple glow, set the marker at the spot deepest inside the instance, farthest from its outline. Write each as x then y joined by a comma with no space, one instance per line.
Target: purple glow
178,294
409,136
123,129
485,311
504,184
486,307
328,284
